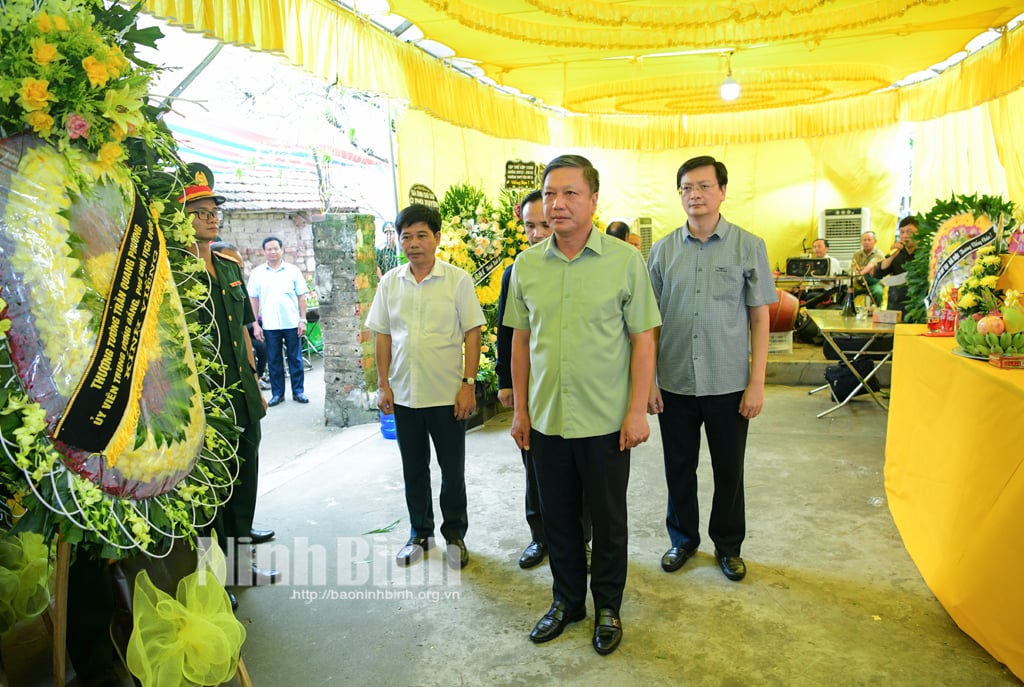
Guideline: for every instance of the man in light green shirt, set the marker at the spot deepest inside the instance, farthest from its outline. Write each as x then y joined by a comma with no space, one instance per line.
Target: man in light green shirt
584,314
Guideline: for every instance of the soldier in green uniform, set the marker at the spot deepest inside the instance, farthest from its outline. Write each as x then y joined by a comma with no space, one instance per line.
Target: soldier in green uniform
231,310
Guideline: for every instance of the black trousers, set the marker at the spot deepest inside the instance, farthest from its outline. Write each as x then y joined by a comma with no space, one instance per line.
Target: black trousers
533,515
566,469
90,609
234,518
292,343
416,428
726,432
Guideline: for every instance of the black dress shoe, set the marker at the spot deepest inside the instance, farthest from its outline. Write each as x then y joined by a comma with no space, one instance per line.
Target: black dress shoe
458,554
301,398
554,621
675,557
607,631
260,536
233,599
263,576
733,567
413,550
274,401
533,555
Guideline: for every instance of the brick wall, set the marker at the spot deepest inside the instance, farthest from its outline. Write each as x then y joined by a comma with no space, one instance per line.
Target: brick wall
248,229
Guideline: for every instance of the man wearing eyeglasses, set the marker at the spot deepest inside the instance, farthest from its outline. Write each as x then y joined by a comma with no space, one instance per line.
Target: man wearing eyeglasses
231,311
713,285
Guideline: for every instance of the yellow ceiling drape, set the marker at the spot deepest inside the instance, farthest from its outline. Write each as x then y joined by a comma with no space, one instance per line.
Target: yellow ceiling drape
342,48
339,46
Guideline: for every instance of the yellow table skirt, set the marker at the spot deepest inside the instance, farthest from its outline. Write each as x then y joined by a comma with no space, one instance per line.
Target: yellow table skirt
954,477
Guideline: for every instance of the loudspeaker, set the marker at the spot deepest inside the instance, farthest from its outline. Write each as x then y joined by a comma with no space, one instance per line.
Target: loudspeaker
807,267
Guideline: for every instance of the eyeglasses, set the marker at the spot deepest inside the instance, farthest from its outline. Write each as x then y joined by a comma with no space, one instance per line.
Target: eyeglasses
687,189
207,215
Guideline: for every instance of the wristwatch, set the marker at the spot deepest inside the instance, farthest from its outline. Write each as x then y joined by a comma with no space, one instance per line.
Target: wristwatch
468,380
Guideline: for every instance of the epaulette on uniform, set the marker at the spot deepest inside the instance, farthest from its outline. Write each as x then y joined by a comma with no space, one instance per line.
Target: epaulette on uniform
227,256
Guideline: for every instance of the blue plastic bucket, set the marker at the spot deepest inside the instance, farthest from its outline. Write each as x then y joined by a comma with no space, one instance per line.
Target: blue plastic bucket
387,426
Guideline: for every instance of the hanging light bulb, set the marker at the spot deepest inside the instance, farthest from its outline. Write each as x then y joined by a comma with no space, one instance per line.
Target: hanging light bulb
730,88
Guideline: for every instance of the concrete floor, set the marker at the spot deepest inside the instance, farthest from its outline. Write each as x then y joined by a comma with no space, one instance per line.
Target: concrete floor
831,595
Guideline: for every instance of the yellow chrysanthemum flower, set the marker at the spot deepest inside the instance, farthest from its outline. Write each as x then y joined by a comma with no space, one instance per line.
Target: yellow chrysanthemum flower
35,94
99,270
991,261
96,71
41,122
44,22
115,62
990,281
42,52
110,154
967,300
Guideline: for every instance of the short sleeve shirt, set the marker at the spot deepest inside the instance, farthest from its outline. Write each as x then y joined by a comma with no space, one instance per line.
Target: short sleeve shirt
278,292
427,322
861,259
703,292
580,314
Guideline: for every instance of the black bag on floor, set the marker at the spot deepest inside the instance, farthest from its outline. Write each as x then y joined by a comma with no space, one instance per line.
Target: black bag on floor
842,381
805,331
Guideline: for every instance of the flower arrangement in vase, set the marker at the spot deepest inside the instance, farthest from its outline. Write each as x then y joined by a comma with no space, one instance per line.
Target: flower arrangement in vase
483,240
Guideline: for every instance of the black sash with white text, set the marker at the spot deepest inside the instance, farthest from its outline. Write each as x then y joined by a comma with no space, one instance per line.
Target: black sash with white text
94,411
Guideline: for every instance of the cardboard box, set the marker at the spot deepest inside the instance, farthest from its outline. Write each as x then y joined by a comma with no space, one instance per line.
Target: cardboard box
780,342
1006,362
887,316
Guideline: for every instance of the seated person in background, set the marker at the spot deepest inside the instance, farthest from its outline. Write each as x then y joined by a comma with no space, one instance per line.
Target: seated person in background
619,230
820,248
863,264
893,266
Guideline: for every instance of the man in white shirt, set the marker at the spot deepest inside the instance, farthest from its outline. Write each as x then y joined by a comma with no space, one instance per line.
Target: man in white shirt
424,313
278,293
820,248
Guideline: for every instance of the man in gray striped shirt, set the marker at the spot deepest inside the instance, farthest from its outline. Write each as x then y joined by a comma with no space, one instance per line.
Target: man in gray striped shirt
713,285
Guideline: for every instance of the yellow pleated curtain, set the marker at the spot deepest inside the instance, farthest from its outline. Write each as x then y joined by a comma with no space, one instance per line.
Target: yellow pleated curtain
786,164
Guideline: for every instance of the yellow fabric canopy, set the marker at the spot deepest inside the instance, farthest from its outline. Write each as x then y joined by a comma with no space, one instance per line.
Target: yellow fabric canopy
835,147
808,68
